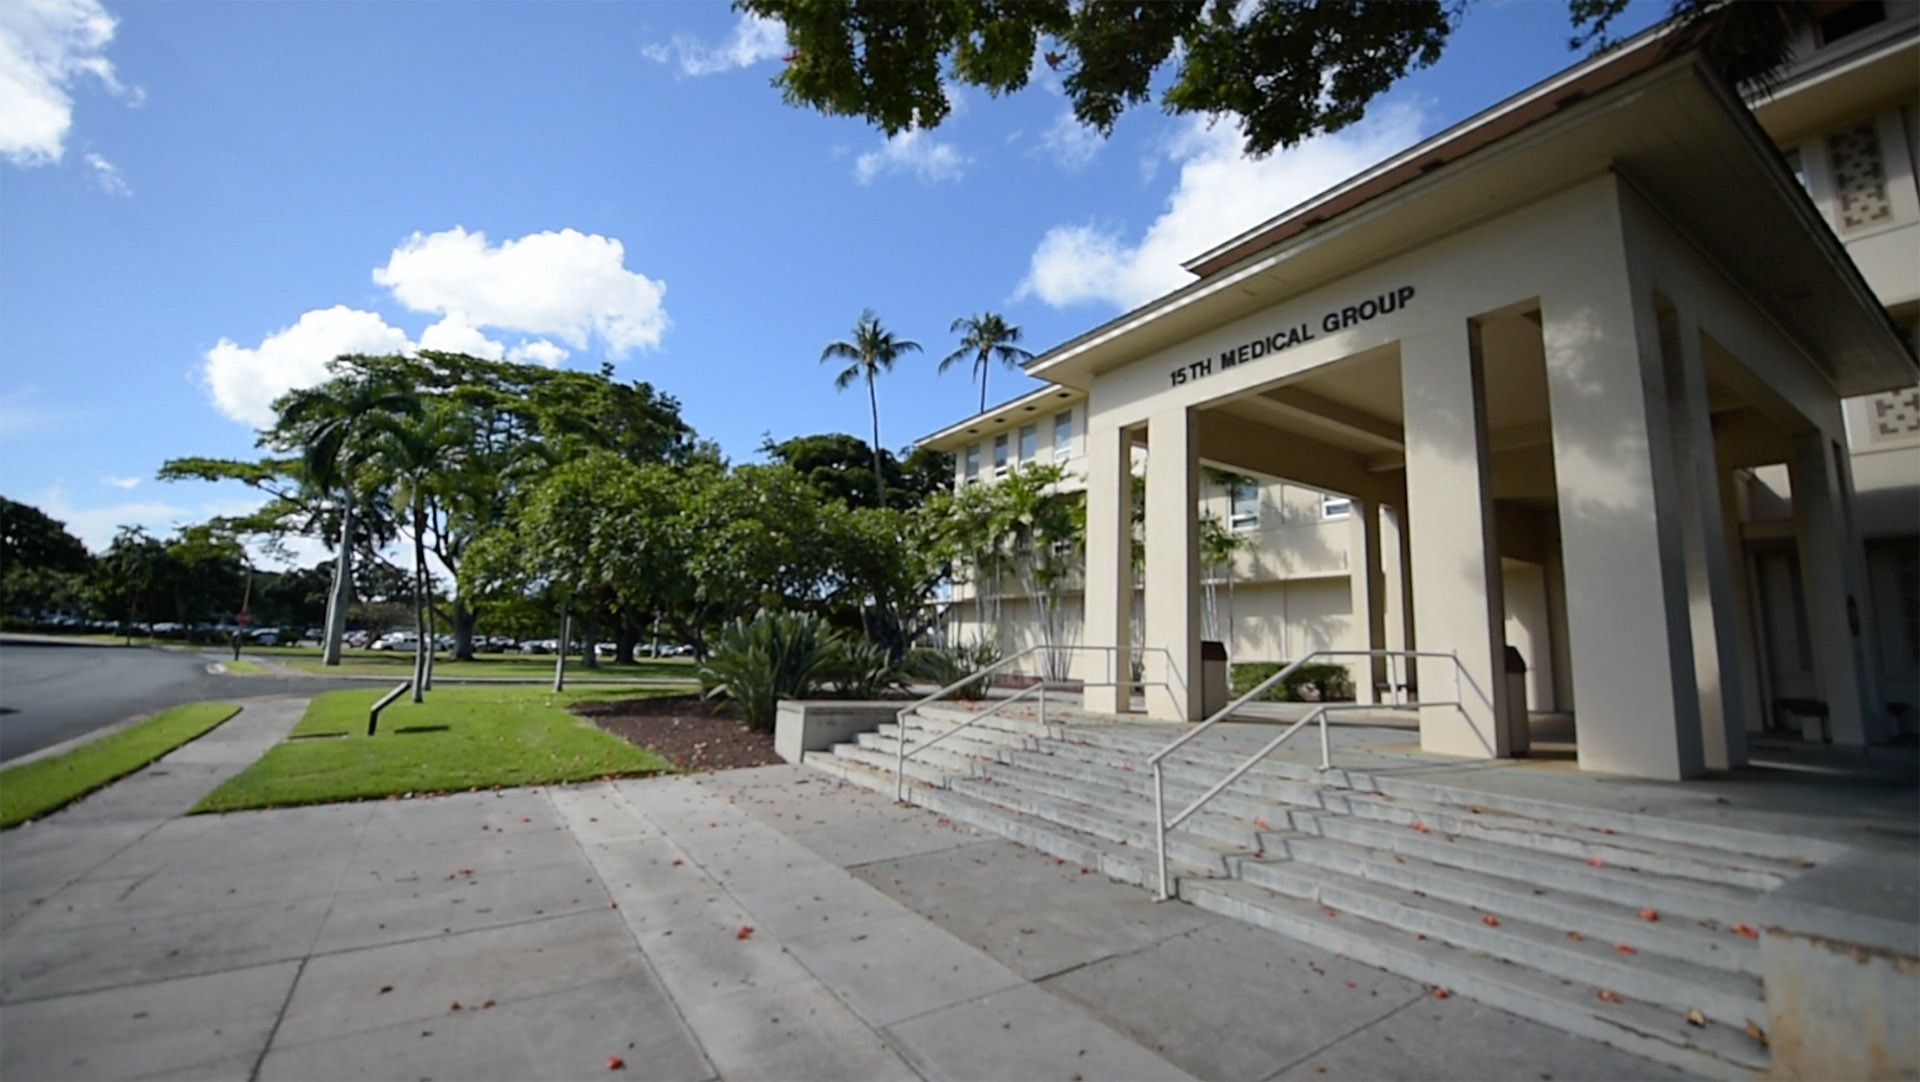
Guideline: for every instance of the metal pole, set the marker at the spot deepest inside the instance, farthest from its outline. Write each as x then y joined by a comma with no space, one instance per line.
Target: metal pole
1326,752
900,766
1160,828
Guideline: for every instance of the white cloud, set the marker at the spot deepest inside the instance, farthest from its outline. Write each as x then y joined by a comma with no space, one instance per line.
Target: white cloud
1071,143
121,482
95,526
108,176
538,351
451,335
244,382
913,152
1219,194
46,47
755,39
570,285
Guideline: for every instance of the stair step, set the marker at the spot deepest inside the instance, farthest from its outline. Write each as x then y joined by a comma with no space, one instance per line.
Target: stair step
1131,832
945,757
1597,918
1658,1033
1122,863
1693,899
885,763
1650,977
1221,820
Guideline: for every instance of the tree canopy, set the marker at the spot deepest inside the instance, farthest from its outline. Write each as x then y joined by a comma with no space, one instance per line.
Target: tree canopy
1284,70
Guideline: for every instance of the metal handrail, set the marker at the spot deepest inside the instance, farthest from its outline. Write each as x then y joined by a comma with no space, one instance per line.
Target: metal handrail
1319,713
900,767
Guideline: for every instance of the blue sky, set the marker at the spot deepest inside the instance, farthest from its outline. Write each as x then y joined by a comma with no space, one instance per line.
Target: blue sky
202,202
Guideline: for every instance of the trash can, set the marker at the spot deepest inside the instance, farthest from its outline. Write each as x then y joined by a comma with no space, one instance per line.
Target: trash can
1519,733
1213,677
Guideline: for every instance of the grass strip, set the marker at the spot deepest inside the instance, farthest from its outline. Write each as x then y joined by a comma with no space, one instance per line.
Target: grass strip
31,790
243,668
460,738
400,666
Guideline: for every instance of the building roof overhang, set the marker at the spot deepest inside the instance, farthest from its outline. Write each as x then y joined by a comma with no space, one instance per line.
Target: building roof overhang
1632,112
1008,416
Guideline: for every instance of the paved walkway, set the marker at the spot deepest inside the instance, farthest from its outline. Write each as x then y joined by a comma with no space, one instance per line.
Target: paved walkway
759,924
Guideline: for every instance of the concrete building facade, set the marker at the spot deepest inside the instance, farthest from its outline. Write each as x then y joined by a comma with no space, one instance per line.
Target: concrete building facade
1619,373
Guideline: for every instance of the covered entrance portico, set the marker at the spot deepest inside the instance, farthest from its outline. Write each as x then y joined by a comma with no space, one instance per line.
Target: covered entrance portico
1530,351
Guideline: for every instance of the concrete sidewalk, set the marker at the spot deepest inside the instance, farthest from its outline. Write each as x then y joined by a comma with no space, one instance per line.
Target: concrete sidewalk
758,924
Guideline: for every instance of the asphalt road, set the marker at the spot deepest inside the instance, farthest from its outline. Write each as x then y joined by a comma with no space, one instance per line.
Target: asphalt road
54,691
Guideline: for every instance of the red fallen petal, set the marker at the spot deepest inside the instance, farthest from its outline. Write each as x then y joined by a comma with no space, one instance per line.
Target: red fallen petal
1261,823
1649,914
488,1005
1059,860
1746,930
745,932
1440,993
1608,996
1421,827
1575,936
1490,921
466,871
456,1006
1596,862
1085,871
1624,949
384,989
677,862
613,905
615,1063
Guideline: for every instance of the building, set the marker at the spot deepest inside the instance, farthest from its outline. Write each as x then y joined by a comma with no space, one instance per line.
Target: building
1619,373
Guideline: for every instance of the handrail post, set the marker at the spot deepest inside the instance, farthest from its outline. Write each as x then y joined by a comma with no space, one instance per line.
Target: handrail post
1326,750
900,763
1160,827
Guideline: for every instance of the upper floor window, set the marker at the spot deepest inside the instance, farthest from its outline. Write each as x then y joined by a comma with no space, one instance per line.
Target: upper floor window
1243,504
973,461
1332,506
1029,442
1000,455
1062,435
1849,19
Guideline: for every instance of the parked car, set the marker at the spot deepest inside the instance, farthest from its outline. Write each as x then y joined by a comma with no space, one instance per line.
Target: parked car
397,640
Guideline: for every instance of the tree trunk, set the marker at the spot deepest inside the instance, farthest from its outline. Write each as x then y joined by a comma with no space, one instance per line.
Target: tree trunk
421,649
433,625
461,621
873,400
560,655
625,635
342,594
590,634
983,384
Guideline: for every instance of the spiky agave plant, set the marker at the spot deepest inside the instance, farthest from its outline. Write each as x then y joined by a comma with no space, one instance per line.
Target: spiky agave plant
758,662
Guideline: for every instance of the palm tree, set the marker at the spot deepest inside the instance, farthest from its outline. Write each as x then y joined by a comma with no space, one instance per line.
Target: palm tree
985,338
329,425
416,455
871,351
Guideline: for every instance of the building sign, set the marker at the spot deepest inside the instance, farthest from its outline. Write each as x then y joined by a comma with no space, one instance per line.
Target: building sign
1335,321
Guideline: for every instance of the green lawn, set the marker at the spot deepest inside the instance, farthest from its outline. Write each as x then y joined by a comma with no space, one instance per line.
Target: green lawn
400,666
460,738
243,668
33,789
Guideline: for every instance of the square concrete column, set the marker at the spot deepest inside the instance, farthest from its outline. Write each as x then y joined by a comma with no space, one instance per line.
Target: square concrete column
1396,566
1710,589
1629,621
1173,566
1833,608
1740,579
1456,562
1369,597
1109,591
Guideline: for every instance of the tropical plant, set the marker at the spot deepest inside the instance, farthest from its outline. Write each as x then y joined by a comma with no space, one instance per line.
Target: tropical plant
984,339
872,350
416,455
329,425
859,668
756,663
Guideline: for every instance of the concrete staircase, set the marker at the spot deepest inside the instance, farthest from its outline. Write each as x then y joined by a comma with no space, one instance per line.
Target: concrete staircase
1629,929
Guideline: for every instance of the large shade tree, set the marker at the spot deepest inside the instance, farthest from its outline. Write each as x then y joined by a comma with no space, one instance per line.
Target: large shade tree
870,351
1283,70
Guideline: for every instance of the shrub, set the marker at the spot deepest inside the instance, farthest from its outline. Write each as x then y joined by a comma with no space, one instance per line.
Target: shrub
776,656
859,668
1312,682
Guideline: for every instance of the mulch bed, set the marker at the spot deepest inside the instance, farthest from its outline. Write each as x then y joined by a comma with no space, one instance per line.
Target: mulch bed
685,730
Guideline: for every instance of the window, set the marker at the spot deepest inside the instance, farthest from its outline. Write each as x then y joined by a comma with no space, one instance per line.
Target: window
1000,455
973,461
1243,504
1332,506
1029,442
1850,19
1062,435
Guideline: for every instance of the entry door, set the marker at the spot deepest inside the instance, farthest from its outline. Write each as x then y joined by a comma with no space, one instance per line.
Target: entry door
1782,606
